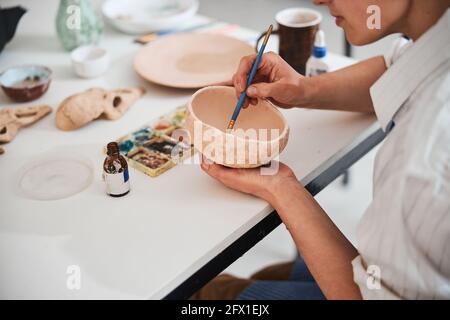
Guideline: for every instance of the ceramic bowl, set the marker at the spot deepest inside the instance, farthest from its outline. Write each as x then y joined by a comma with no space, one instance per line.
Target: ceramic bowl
260,133
143,16
25,83
89,61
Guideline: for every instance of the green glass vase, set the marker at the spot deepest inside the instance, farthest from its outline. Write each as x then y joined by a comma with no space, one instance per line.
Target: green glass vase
77,24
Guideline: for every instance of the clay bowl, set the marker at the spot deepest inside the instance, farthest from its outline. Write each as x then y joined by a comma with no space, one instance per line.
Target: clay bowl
25,83
260,133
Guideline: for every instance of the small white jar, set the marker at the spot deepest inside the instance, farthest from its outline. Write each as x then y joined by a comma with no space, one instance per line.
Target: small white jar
89,61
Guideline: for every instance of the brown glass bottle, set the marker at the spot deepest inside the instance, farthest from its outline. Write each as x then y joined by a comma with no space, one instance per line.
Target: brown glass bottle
115,172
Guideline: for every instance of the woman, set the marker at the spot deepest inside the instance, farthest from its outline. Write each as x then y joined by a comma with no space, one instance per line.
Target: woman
403,236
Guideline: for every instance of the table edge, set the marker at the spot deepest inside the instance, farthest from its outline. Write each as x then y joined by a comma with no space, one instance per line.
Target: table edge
315,182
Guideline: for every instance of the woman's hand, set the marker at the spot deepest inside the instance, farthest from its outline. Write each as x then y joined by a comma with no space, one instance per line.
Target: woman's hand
275,80
251,181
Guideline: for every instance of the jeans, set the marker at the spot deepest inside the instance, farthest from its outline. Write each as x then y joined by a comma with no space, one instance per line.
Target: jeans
300,286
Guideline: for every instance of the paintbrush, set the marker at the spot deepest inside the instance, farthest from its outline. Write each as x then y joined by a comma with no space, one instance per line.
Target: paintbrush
252,74
155,35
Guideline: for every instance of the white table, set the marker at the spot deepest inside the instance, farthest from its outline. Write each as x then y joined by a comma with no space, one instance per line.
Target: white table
170,234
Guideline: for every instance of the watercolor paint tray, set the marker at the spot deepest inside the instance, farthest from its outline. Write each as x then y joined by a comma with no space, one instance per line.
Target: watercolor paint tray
159,145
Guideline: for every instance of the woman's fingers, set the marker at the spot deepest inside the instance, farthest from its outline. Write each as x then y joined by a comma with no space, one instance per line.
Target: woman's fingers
243,70
253,101
262,78
240,77
261,90
212,169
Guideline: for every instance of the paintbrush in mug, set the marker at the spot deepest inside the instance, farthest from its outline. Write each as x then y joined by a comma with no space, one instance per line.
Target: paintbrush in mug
252,74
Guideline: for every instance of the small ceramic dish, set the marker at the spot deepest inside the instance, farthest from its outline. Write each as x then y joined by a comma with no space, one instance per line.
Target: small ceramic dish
143,16
25,83
261,132
89,61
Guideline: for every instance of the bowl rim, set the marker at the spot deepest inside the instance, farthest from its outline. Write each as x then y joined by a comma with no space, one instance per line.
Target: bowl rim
273,107
190,10
39,83
279,17
89,48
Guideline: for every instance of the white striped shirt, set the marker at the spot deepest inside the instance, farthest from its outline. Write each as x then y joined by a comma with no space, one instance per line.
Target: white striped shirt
404,236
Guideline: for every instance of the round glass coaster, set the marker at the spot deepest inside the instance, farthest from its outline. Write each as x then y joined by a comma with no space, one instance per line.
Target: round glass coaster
55,178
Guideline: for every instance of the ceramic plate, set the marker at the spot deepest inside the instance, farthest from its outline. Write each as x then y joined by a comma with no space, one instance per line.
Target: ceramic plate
142,16
191,60
55,177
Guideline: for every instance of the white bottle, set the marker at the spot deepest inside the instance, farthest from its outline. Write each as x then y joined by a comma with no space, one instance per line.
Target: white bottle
318,62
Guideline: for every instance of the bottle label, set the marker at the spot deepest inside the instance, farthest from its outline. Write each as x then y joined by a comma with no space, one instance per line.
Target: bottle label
117,183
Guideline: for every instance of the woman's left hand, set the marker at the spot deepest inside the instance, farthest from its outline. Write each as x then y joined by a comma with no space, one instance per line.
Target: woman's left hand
251,181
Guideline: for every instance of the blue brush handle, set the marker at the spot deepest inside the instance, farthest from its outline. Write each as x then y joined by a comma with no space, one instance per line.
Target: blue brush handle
252,74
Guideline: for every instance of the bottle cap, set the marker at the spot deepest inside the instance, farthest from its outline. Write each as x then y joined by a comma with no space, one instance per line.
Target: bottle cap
112,148
320,47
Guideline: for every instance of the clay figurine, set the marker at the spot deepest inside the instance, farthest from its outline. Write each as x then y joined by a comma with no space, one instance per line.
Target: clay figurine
12,119
82,108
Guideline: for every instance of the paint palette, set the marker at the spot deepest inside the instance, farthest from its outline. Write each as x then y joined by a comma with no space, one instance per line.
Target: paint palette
159,145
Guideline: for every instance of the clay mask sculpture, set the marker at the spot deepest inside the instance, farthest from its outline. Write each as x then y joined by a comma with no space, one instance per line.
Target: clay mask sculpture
12,119
260,134
82,108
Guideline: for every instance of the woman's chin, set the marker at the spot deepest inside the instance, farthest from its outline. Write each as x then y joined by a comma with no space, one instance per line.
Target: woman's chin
358,38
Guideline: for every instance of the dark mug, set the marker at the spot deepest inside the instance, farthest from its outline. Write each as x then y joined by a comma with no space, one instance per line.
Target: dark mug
9,19
297,29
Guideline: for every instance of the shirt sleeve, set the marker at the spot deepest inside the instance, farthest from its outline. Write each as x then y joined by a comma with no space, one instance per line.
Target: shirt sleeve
425,200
